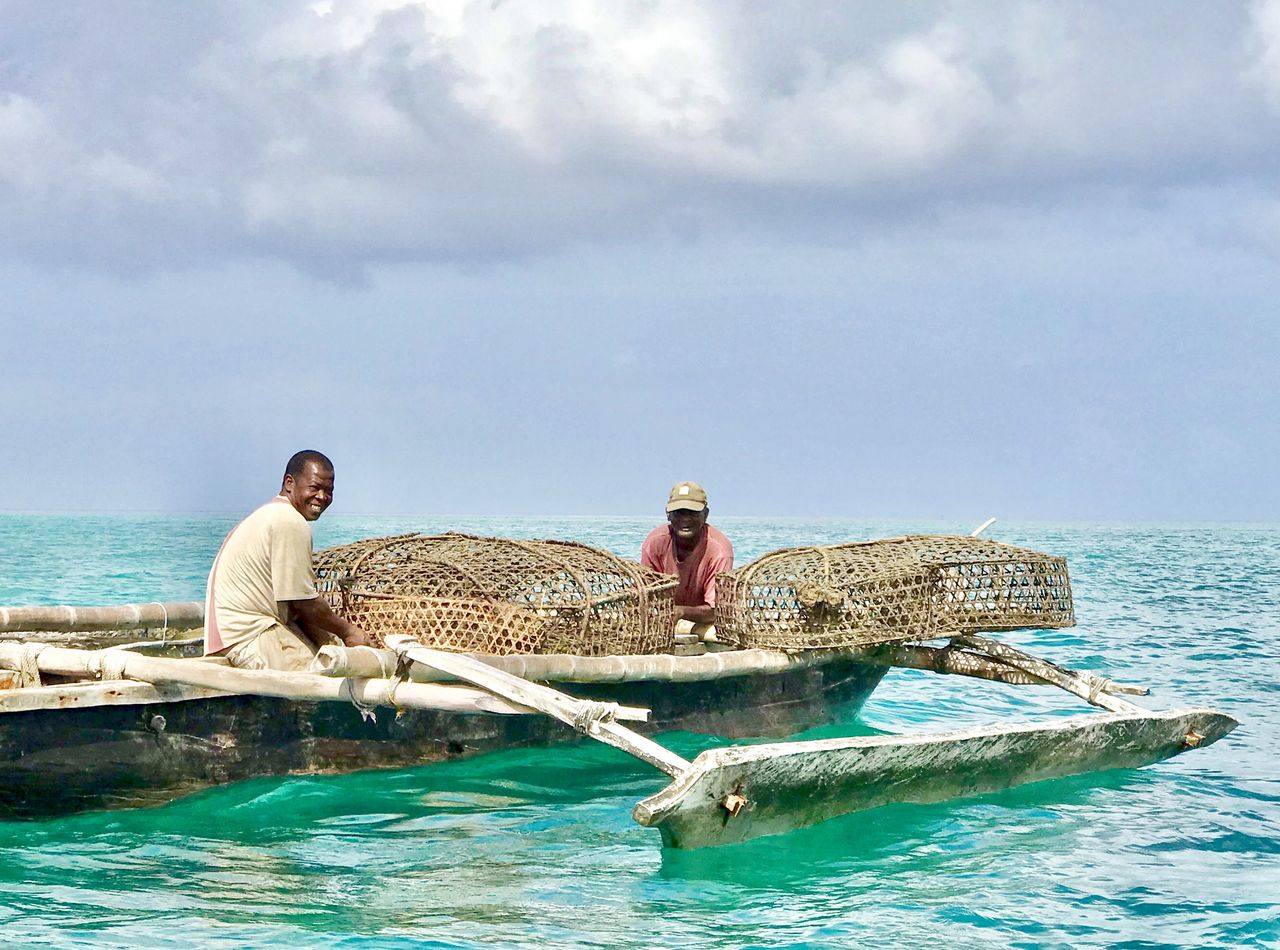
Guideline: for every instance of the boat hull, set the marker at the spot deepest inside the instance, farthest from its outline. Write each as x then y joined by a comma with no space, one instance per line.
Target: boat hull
61,761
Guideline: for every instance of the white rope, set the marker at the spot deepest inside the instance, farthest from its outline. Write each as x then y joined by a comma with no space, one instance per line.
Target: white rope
164,612
29,665
1097,686
590,714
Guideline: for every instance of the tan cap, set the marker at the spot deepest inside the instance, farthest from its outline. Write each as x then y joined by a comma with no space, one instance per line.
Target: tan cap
687,495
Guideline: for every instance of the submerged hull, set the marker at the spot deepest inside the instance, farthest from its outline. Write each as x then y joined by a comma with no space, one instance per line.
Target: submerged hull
60,761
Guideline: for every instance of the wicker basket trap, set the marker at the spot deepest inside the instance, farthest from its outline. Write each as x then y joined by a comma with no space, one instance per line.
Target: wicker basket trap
911,588
502,596
334,565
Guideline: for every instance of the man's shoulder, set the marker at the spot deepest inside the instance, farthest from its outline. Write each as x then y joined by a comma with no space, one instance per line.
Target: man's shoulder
718,538
661,532
274,514
658,538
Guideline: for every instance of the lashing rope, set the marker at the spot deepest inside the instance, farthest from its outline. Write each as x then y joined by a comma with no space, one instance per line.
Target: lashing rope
29,666
591,713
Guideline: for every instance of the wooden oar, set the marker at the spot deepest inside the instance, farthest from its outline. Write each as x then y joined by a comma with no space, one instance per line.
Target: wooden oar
591,719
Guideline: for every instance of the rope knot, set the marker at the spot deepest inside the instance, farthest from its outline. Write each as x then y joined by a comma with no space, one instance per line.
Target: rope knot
591,713
29,665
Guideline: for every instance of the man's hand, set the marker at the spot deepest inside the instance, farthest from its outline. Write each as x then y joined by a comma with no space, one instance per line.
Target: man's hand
703,614
357,639
317,618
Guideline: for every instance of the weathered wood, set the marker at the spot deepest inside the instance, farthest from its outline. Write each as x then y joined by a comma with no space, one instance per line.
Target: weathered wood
180,615
783,786
965,663
120,664
104,693
982,527
591,719
565,668
56,761
1090,687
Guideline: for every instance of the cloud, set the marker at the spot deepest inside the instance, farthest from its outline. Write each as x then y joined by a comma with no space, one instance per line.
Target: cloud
338,134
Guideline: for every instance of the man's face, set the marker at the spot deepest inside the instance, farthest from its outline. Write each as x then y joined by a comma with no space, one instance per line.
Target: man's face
311,492
685,524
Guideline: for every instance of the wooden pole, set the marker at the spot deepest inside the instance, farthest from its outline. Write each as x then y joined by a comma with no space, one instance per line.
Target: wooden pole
1088,686
184,615
306,687
965,663
567,668
662,667
591,719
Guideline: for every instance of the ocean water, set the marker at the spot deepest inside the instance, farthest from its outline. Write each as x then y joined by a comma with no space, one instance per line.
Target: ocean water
536,848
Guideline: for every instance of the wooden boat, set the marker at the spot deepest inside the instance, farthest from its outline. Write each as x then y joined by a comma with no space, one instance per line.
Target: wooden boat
140,723
87,740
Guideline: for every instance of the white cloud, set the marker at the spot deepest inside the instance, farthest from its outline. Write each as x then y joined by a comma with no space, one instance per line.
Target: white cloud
1266,67
422,129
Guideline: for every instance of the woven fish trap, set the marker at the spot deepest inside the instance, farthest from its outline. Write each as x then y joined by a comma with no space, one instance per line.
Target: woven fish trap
912,588
334,565
502,596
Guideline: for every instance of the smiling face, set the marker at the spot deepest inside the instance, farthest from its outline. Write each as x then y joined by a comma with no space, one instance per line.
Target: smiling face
311,492
687,525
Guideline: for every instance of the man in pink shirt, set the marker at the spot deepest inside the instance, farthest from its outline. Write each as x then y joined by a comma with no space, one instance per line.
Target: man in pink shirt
692,550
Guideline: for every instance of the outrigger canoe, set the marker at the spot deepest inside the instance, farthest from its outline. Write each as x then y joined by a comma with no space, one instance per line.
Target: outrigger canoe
125,723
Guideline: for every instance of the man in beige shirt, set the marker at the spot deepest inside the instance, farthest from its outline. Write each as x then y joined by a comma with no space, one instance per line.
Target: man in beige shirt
262,610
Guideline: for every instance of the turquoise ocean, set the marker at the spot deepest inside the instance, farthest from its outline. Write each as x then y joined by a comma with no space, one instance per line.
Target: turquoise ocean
536,848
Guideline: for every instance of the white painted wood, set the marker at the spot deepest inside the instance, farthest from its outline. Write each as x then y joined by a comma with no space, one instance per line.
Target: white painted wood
982,527
105,693
122,664
794,784
566,668
568,709
181,615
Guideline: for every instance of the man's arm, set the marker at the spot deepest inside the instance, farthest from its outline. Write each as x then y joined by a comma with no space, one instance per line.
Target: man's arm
703,614
316,618
720,563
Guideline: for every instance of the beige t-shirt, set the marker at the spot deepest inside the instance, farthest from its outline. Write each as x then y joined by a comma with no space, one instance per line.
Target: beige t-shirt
264,563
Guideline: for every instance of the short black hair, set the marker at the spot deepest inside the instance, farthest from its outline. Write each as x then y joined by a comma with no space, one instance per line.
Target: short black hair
298,461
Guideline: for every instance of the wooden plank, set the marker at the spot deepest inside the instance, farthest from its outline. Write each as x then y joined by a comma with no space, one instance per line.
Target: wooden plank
105,693
785,786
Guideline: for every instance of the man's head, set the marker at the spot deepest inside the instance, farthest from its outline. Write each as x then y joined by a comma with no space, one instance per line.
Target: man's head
687,511
308,483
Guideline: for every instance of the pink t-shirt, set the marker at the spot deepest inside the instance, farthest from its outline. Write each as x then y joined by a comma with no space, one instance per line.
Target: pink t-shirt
697,572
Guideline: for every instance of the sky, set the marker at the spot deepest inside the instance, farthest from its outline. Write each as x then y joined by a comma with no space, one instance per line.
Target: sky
929,260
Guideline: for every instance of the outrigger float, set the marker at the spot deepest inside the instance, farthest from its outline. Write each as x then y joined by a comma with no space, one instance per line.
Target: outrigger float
133,721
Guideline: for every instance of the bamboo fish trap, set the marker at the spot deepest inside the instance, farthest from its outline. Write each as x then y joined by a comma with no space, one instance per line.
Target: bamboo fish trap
912,588
500,596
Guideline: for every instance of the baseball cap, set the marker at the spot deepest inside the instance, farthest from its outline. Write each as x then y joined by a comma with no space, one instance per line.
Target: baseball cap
687,495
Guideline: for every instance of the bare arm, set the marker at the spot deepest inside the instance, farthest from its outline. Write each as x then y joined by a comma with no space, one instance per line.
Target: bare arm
316,617
703,614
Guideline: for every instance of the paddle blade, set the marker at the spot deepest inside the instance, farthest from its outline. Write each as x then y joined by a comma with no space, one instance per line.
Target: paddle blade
743,792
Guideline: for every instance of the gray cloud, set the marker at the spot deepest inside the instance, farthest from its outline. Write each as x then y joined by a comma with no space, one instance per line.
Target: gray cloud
335,135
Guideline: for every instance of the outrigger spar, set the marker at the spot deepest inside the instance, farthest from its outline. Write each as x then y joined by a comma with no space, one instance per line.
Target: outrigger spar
741,792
